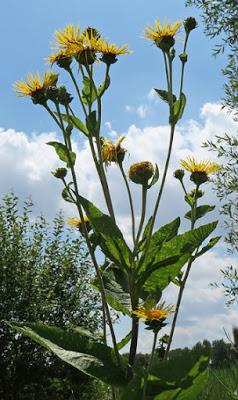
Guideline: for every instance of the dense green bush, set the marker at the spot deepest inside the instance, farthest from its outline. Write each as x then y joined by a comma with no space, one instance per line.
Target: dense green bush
45,275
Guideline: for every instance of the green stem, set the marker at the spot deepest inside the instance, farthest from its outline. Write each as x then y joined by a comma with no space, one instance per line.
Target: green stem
184,280
91,251
133,346
183,66
130,201
143,211
99,149
149,365
78,91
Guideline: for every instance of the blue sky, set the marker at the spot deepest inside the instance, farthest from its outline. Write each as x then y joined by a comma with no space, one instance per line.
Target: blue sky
30,35
27,30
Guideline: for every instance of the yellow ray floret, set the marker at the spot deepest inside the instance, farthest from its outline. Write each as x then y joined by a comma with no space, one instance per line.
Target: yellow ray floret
159,32
111,151
110,48
34,83
57,57
68,36
156,313
76,222
205,166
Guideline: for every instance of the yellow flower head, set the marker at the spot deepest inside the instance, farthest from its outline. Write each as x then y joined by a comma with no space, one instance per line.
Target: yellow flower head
159,33
110,51
61,58
76,222
113,152
68,36
154,314
206,166
34,84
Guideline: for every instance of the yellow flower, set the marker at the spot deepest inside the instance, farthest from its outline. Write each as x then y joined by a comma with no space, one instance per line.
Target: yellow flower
68,36
61,58
206,166
34,84
110,51
113,152
154,314
159,33
76,222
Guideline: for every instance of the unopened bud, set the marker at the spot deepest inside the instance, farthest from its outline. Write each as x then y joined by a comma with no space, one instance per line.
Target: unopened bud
190,23
60,173
183,57
141,172
179,174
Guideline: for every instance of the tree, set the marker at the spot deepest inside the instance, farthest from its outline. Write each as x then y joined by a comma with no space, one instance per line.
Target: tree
220,19
45,275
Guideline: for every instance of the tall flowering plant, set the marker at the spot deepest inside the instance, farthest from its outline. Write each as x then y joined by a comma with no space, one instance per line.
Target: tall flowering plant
131,278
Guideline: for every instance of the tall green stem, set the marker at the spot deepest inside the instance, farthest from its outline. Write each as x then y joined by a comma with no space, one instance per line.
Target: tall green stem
149,365
91,251
184,280
143,211
130,201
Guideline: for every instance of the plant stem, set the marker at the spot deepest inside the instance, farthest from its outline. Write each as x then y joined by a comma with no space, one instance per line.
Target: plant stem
91,251
143,211
130,201
184,280
149,365
133,346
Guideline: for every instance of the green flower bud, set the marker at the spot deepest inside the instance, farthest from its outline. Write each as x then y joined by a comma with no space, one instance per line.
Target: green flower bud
183,57
64,97
141,172
199,193
60,173
179,174
190,23
86,57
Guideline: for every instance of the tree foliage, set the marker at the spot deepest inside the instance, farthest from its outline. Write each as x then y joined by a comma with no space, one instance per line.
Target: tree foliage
220,19
45,275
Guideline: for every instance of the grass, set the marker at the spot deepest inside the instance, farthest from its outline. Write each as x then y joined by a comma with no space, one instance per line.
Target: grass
222,384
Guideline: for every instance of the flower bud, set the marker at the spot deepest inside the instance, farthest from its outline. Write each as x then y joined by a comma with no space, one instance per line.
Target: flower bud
179,174
109,58
86,57
64,97
141,172
190,23
60,173
199,177
183,57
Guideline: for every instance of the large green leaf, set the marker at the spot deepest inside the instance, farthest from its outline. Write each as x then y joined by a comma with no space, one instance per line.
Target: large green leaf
181,379
91,122
89,94
75,122
209,246
63,153
124,341
117,298
112,241
82,352
182,246
200,211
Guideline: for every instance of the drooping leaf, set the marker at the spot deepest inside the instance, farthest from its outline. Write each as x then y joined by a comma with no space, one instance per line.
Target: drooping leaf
75,122
124,341
63,153
182,246
178,109
66,196
200,212
112,241
91,123
82,352
164,95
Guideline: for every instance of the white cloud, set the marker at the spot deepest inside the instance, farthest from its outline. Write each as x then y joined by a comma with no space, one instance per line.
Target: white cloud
142,111
27,162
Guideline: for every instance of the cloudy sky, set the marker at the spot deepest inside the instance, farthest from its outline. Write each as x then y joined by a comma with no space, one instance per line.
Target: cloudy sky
130,108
